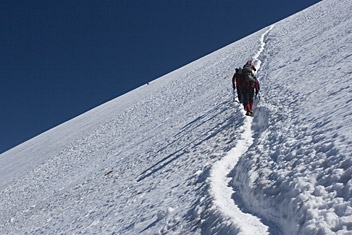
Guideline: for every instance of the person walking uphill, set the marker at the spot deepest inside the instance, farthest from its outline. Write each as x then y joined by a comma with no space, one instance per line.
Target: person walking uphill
236,83
249,85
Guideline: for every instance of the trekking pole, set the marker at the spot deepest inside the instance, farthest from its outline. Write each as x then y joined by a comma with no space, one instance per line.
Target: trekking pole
234,95
257,97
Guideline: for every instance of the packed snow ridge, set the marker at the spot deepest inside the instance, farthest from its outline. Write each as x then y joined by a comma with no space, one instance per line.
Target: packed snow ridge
178,156
246,223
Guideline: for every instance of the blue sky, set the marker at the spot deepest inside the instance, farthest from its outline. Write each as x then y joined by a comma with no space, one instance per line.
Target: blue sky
62,58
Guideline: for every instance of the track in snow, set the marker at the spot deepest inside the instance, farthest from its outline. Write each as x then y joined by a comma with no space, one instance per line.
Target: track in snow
219,180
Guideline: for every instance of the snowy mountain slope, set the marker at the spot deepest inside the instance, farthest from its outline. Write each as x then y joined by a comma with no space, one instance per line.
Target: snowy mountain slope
298,173
146,162
149,158
223,194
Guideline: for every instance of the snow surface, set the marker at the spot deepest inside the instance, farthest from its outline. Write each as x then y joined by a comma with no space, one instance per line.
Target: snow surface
178,156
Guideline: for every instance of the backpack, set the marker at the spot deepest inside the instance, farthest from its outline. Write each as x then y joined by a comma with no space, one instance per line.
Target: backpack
248,76
239,71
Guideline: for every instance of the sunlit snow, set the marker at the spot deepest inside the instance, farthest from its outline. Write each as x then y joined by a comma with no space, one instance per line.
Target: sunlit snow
178,155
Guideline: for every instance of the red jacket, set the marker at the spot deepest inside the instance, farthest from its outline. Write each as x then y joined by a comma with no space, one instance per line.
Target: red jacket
236,80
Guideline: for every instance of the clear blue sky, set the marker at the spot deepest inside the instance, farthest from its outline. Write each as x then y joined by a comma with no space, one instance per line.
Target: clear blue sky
62,58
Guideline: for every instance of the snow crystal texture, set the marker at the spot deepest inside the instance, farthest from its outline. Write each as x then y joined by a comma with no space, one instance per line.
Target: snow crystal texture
178,156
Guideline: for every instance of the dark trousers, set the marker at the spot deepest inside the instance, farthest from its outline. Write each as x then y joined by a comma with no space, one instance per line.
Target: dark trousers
239,95
247,96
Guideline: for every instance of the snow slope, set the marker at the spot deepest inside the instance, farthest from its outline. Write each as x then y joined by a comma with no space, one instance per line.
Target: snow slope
178,156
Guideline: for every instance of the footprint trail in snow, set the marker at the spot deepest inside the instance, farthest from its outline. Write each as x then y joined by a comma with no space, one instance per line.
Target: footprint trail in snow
223,194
